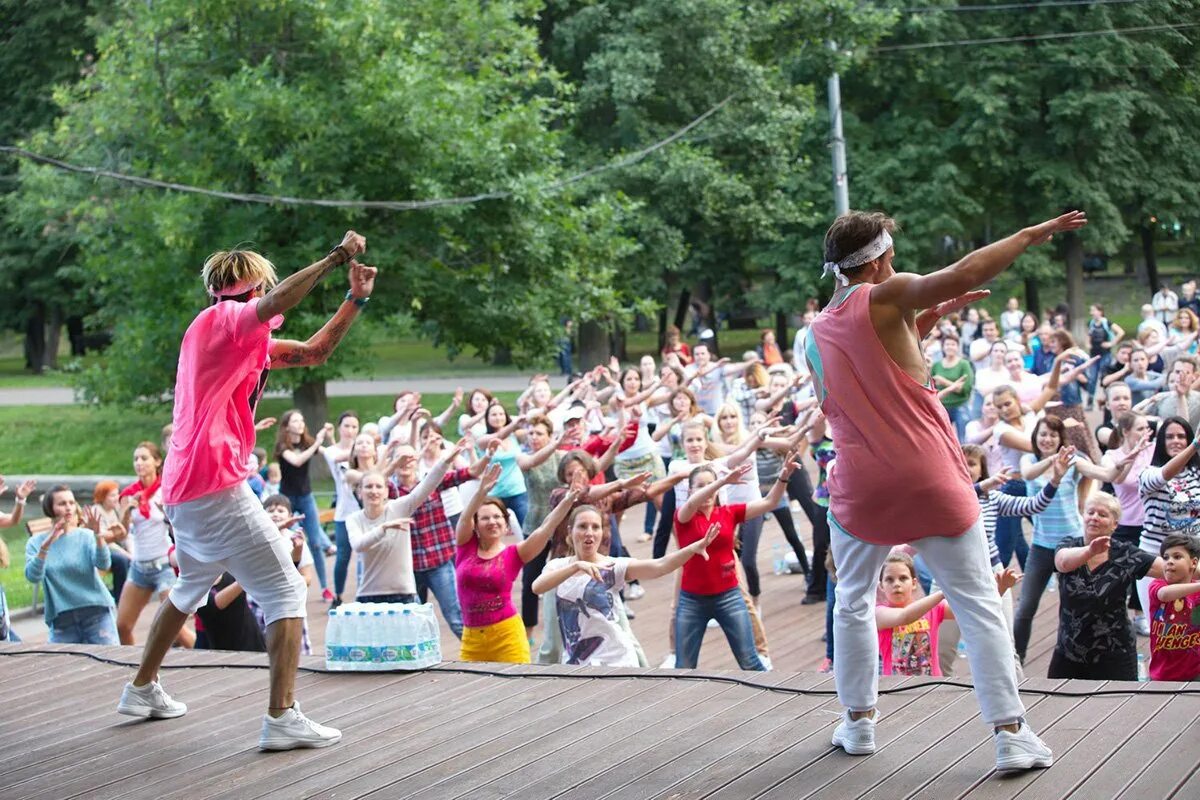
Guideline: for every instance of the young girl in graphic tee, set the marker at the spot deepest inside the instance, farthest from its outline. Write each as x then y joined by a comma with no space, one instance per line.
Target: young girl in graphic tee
1174,634
908,629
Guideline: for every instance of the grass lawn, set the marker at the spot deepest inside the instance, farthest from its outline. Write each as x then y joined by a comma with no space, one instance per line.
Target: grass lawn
18,591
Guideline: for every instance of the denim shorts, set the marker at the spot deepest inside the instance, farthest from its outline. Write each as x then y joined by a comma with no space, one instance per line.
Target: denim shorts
157,576
87,625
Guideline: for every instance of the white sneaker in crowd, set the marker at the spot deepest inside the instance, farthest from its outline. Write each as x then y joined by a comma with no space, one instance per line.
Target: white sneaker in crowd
1021,750
766,662
668,662
293,729
856,736
712,623
635,592
151,701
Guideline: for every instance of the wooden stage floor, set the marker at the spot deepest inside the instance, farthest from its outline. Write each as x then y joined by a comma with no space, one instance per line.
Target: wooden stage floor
563,732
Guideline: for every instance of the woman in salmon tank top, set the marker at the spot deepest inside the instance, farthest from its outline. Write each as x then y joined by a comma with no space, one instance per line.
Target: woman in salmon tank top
874,387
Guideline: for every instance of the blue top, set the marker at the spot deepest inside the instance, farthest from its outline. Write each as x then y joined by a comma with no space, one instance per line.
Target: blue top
1061,518
512,480
68,575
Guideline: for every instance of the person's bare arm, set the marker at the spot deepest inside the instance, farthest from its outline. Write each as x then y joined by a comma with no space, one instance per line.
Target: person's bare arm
930,316
886,617
535,542
466,521
1069,559
317,348
536,459
910,291
1176,591
295,287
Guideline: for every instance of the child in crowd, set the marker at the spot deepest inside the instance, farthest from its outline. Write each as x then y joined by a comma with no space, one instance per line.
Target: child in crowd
1174,634
274,476
908,629
227,620
279,508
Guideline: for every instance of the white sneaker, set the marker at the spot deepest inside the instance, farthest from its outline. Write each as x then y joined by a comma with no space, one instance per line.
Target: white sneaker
293,730
712,623
1021,750
856,737
634,592
149,701
766,662
668,662
1142,625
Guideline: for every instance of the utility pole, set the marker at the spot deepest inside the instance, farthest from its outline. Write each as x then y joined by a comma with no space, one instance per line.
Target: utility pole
841,184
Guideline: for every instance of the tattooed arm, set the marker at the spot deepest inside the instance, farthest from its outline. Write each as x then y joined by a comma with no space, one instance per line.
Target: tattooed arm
289,353
294,288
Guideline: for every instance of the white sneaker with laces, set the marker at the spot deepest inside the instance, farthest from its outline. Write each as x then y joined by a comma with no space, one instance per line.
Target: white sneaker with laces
856,736
635,591
668,662
293,729
150,701
1021,750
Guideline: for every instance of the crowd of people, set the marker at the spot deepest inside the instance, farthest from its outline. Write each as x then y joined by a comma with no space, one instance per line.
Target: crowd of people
466,503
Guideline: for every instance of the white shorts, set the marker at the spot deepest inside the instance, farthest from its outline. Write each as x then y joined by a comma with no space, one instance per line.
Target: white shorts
263,566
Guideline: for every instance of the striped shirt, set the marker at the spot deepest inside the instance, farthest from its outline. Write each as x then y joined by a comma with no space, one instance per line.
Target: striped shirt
1061,519
997,504
1171,505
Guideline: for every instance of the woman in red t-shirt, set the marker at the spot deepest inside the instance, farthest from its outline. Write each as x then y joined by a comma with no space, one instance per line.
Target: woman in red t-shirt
710,588
673,346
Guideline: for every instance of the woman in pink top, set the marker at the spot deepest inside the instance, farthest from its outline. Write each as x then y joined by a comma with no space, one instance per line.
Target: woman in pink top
485,569
1129,430
900,476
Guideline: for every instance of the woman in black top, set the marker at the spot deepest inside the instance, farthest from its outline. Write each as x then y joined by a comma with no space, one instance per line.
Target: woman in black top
1095,637
294,449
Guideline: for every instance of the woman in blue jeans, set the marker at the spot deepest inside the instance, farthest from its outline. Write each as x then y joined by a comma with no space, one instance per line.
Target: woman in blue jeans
709,586
294,449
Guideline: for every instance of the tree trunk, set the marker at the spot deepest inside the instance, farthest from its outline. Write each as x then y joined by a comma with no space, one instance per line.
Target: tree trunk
781,331
1129,258
54,327
35,339
593,345
310,399
1033,300
502,357
681,308
619,341
1075,298
1147,233
75,335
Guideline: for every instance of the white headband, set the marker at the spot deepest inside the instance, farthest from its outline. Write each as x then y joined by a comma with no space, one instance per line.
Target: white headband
869,252
239,288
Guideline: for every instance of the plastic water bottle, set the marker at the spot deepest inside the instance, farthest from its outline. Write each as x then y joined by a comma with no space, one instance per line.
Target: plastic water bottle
1143,670
333,639
778,559
391,649
360,643
961,649
1052,586
378,639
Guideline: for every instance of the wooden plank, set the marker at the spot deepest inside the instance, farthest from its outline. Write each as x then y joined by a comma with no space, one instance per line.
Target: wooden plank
949,775
481,763
232,770
706,726
672,713
1170,769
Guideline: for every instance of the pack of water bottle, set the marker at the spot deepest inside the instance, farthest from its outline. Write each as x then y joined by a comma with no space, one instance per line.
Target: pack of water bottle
377,637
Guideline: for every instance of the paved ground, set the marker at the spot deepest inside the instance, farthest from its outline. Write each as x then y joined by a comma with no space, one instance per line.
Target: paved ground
62,396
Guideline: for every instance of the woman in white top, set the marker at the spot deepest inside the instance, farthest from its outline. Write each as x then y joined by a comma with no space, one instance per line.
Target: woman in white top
381,533
587,590
345,503
142,513
994,375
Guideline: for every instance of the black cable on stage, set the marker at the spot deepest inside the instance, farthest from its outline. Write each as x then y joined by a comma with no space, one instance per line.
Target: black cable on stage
661,676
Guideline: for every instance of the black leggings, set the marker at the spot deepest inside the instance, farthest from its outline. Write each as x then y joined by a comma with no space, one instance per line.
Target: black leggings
800,489
783,516
1111,668
666,521
530,602
1131,534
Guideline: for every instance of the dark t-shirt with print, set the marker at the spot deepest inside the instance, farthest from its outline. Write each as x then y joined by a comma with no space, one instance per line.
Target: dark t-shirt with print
1092,622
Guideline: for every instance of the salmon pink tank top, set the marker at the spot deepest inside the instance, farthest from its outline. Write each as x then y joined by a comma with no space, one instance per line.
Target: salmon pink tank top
900,474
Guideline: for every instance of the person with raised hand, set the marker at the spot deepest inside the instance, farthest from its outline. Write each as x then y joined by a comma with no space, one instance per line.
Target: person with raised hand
870,376
219,524
64,560
485,569
586,586
7,521
709,589
294,450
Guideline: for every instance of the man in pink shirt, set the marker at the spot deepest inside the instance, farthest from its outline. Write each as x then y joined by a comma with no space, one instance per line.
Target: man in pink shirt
219,525
900,476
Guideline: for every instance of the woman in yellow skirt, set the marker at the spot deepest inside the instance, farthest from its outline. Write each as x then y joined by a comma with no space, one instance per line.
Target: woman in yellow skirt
485,569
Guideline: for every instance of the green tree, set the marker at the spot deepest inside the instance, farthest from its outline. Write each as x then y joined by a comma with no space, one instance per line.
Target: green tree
370,99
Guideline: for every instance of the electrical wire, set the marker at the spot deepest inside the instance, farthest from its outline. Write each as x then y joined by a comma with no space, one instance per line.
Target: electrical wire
1009,6
387,205
657,676
1038,37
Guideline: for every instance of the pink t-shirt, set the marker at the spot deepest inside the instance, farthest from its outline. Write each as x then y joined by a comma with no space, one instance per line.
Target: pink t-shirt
223,364
1128,494
912,649
1174,640
485,585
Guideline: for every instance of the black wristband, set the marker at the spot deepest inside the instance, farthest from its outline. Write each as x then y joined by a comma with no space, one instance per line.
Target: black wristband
345,254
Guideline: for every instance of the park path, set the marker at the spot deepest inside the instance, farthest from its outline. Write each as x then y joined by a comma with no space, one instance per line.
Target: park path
63,396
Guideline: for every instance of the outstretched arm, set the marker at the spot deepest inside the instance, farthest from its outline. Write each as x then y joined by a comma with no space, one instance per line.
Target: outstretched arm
910,291
295,287
290,353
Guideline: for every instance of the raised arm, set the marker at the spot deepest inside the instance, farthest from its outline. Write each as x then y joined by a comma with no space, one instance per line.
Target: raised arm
290,353
302,457
911,291
536,459
1069,559
698,498
444,417
641,569
930,316
535,542
501,434
23,491
295,287
886,617
757,508
466,521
